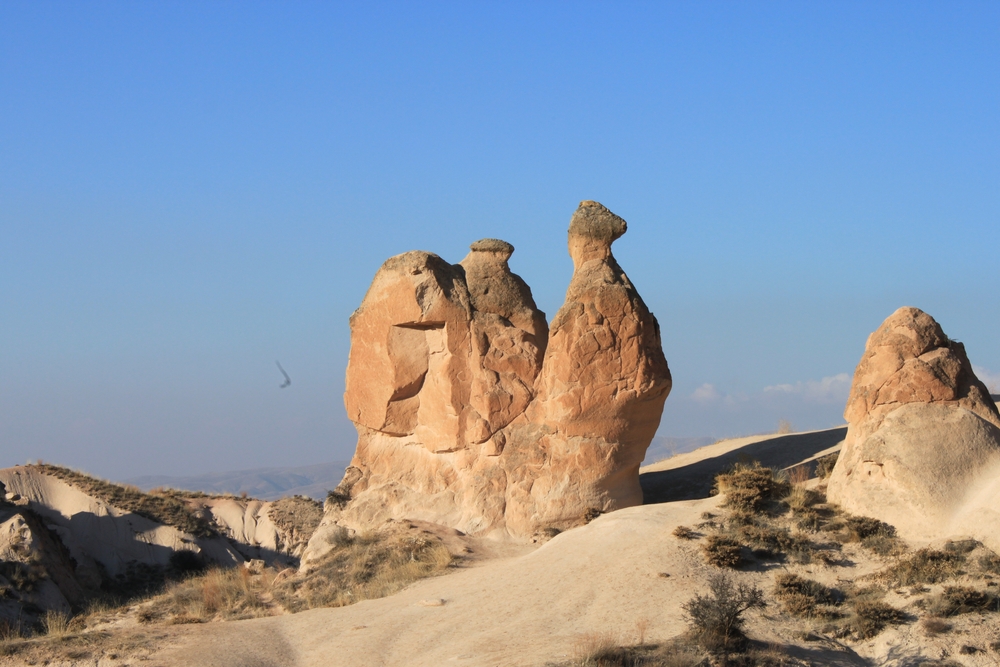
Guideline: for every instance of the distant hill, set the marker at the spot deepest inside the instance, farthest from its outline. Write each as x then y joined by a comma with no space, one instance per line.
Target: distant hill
312,481
663,447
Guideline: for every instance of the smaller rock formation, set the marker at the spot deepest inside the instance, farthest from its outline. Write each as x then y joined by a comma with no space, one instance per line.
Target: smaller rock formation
923,431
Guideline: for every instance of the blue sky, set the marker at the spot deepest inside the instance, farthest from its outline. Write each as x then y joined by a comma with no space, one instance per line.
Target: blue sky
190,191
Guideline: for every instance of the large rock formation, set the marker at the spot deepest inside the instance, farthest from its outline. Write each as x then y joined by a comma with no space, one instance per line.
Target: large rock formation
470,413
923,438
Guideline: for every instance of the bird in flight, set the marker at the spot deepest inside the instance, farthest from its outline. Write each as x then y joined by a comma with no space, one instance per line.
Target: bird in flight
288,380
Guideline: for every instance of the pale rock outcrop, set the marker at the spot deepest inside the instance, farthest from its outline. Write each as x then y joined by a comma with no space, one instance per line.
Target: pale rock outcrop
923,441
472,414
273,532
102,539
36,572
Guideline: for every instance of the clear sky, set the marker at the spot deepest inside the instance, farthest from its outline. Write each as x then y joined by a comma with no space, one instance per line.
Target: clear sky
191,191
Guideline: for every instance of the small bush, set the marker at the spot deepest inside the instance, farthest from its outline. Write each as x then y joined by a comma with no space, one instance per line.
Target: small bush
684,533
870,617
926,566
803,597
716,619
722,551
935,626
748,487
955,600
863,527
771,542
825,464
990,563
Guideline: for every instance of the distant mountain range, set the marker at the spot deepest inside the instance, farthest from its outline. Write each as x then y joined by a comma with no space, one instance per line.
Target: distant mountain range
312,481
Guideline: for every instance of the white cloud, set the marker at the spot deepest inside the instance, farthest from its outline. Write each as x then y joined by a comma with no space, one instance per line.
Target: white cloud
833,389
991,380
706,392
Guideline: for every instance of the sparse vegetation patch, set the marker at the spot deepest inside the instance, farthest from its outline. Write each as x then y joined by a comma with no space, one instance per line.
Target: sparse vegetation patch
164,509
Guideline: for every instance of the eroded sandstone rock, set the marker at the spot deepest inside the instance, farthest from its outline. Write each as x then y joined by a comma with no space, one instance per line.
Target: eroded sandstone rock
472,414
922,430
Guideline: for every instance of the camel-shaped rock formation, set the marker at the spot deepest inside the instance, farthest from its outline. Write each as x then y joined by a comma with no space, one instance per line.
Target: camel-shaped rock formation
922,450
472,413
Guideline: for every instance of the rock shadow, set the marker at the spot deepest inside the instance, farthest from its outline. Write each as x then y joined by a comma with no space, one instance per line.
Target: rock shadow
695,481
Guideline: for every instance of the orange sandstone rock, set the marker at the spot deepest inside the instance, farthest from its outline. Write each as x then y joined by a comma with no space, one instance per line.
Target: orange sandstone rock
922,429
471,413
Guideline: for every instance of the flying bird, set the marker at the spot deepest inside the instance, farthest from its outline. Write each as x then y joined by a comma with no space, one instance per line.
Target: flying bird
288,380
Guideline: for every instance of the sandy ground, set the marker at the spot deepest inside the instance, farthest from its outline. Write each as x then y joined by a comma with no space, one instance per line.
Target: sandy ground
623,575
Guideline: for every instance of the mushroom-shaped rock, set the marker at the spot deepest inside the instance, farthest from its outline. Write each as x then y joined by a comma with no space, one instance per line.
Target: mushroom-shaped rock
923,433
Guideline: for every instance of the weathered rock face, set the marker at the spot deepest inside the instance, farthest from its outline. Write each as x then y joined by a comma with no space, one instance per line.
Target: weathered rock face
922,430
470,413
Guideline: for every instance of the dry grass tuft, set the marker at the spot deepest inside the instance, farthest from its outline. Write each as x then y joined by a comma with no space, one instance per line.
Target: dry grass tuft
363,567
684,533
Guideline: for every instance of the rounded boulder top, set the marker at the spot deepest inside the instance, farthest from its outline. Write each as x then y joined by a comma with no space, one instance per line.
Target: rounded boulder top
592,219
492,245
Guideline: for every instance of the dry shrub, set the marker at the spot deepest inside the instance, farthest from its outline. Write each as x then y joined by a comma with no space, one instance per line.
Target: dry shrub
716,619
990,562
804,597
749,486
870,617
772,542
364,567
935,626
722,551
873,534
926,566
825,464
684,533
955,600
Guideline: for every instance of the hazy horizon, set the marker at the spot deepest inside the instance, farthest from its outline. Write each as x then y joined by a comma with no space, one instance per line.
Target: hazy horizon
191,192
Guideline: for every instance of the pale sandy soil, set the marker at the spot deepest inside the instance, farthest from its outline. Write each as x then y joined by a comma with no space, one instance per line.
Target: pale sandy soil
624,575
